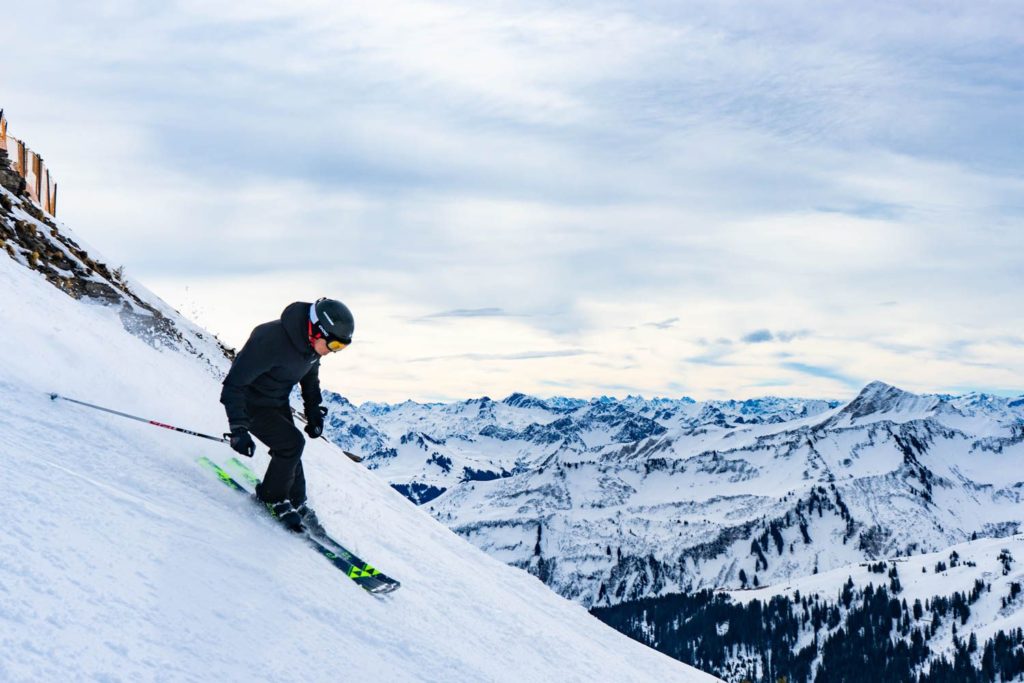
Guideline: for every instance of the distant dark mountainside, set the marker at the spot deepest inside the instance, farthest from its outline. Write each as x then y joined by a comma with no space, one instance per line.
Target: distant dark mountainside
948,617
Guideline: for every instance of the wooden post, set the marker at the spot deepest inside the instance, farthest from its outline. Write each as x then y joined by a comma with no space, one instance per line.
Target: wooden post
53,194
44,200
39,179
39,185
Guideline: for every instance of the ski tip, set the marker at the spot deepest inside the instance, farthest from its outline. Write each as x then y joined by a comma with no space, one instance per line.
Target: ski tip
353,457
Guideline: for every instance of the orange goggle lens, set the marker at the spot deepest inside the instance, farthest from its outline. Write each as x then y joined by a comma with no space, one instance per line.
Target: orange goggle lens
335,345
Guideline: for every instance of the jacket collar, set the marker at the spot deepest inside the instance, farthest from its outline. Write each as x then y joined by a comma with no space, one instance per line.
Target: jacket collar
294,318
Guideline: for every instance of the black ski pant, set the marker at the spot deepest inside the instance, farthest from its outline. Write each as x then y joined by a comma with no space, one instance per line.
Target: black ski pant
284,478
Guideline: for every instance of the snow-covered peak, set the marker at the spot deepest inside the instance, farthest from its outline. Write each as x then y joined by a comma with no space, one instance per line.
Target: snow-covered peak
565,404
520,400
879,400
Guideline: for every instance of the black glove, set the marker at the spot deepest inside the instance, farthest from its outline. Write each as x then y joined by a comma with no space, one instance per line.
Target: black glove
315,421
242,442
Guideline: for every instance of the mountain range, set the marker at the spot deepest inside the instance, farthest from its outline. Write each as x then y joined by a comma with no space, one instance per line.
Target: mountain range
607,500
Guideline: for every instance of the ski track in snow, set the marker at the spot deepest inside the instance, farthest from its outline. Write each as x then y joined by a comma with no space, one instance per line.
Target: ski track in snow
122,560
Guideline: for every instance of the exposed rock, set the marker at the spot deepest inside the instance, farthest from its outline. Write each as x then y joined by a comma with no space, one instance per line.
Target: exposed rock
30,236
10,179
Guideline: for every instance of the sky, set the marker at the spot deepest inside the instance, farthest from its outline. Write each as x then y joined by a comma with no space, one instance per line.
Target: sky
711,199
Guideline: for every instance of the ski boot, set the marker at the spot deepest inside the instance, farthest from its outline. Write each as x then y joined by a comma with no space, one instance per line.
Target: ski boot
310,521
283,511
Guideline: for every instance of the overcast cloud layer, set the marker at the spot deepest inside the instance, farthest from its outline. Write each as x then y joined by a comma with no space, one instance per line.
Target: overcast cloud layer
717,199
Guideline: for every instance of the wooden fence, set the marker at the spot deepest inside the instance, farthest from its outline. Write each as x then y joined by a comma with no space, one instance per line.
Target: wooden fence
30,166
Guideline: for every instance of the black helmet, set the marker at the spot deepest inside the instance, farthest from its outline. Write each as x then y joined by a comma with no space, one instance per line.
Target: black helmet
333,319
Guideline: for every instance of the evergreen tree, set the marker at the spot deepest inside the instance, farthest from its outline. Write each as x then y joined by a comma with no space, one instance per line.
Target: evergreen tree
866,636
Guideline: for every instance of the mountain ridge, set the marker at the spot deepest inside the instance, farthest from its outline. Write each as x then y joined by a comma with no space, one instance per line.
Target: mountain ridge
860,466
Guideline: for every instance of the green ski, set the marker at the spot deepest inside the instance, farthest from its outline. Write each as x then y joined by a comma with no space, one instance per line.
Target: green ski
361,572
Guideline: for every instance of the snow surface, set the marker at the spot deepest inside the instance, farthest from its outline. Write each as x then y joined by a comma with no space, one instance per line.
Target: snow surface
122,560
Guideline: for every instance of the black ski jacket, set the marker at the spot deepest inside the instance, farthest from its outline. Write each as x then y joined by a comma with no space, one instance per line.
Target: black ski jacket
277,356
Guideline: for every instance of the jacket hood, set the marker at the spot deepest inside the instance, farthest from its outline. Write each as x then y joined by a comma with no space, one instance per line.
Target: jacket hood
295,319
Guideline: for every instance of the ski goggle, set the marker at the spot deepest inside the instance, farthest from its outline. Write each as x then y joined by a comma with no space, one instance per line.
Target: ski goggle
333,343
337,344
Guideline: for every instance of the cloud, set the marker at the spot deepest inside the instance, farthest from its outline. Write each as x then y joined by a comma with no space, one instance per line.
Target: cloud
773,383
762,336
468,313
868,210
896,347
758,337
714,358
825,372
662,325
721,341
526,355
788,336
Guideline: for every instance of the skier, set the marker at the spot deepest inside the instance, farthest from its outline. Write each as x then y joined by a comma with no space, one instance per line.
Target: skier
278,355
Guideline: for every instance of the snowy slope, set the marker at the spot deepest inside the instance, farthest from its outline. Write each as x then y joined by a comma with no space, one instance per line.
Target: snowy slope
120,559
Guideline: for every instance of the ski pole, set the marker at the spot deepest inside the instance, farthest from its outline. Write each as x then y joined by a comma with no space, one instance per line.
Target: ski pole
54,397
351,456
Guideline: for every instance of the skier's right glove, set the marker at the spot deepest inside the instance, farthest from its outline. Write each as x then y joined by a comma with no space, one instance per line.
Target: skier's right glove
242,442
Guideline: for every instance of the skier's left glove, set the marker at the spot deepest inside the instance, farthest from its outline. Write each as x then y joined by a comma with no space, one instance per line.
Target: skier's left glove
315,421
